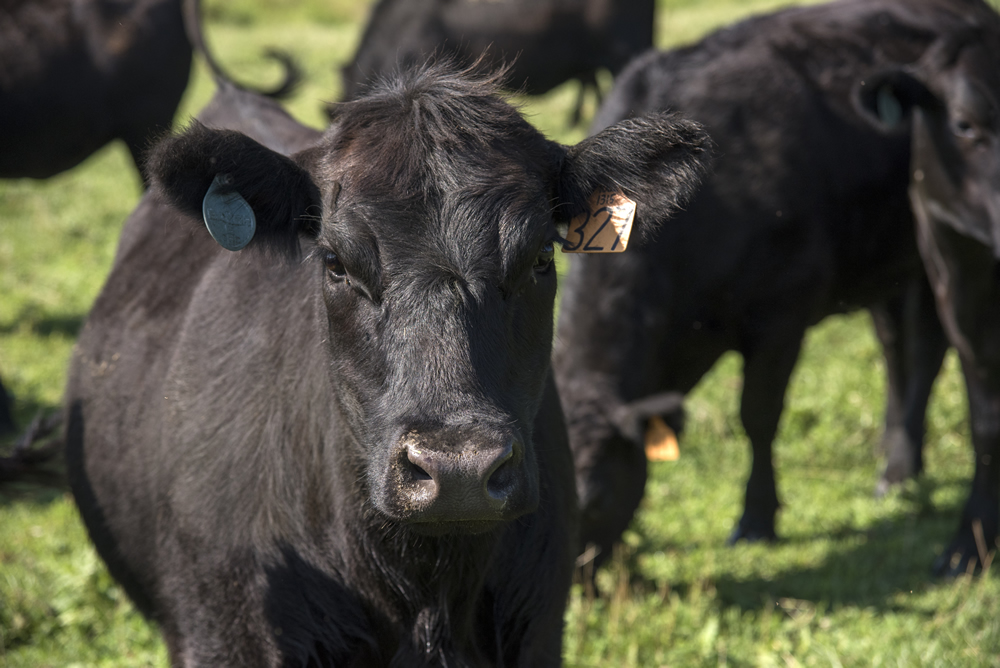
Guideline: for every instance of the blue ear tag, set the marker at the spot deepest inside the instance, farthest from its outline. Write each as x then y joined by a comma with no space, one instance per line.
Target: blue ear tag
227,215
890,111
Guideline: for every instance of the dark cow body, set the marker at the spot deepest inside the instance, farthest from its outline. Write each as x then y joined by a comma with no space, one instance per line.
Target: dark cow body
951,102
343,445
6,419
806,215
548,41
76,75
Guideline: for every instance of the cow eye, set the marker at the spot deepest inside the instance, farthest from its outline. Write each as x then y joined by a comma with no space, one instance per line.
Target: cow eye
964,128
545,257
333,264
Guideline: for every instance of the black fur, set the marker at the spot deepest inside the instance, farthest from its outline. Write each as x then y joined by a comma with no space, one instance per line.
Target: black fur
952,99
806,214
77,75
6,416
258,493
545,42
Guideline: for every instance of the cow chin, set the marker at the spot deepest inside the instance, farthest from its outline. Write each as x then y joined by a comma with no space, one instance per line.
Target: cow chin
461,528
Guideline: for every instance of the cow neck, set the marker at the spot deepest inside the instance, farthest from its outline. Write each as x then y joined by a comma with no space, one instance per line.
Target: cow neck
426,593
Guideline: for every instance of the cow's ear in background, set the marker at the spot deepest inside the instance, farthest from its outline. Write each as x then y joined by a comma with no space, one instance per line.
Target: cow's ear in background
246,193
632,419
656,160
886,100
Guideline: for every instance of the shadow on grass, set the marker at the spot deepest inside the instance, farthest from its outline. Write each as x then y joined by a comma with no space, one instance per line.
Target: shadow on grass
863,567
45,324
39,495
32,458
25,409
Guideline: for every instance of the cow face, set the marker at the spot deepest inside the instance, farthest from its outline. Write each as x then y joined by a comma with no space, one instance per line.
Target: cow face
430,213
952,100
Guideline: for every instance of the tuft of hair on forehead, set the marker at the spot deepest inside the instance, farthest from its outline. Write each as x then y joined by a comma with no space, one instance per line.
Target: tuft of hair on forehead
438,78
415,124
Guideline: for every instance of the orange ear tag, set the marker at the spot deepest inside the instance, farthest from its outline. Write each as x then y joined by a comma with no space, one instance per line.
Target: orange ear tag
661,442
605,227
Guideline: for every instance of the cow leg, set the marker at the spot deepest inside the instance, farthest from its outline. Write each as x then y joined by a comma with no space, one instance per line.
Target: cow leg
6,417
588,80
981,514
914,345
767,367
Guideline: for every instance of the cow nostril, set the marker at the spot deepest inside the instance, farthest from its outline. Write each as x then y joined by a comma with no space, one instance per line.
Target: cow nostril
416,460
501,475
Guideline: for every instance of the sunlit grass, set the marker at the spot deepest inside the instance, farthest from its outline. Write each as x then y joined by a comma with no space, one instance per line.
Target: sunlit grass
847,586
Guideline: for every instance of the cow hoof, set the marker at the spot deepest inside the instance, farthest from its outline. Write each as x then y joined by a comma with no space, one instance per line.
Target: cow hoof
955,562
962,557
752,534
883,487
899,468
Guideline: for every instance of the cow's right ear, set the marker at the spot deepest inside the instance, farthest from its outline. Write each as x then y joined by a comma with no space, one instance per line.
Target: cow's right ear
886,99
226,178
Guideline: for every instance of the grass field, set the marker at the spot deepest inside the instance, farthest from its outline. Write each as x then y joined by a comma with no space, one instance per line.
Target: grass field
847,586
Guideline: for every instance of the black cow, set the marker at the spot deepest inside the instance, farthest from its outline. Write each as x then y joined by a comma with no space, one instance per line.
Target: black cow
74,75
806,215
949,102
343,445
548,41
6,418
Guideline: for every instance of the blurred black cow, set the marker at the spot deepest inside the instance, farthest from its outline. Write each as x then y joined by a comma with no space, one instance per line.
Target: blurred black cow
75,75
949,102
807,214
6,419
344,445
548,41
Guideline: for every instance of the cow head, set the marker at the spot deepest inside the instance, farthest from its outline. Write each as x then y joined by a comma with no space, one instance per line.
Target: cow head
430,213
950,102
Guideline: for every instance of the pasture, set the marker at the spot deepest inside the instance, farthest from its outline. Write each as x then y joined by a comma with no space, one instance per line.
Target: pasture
847,586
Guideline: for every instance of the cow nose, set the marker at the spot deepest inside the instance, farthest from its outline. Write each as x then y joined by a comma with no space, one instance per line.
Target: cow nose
477,483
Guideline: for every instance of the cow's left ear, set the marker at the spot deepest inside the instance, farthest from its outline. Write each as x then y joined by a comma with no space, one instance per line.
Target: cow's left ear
632,419
886,99
657,160
246,193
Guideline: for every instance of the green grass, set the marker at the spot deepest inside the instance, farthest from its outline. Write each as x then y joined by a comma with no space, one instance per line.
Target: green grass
848,585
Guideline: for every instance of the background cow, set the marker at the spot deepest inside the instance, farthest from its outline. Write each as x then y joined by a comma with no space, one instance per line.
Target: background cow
806,215
314,452
77,75
548,41
949,103
6,419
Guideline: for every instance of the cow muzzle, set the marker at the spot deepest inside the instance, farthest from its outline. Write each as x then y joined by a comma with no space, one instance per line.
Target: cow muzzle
459,483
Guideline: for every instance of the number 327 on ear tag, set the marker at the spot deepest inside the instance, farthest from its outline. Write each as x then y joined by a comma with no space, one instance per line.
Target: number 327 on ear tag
227,215
604,227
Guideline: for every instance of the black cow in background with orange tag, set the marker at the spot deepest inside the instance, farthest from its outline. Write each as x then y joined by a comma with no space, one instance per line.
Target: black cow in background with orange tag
343,444
805,215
